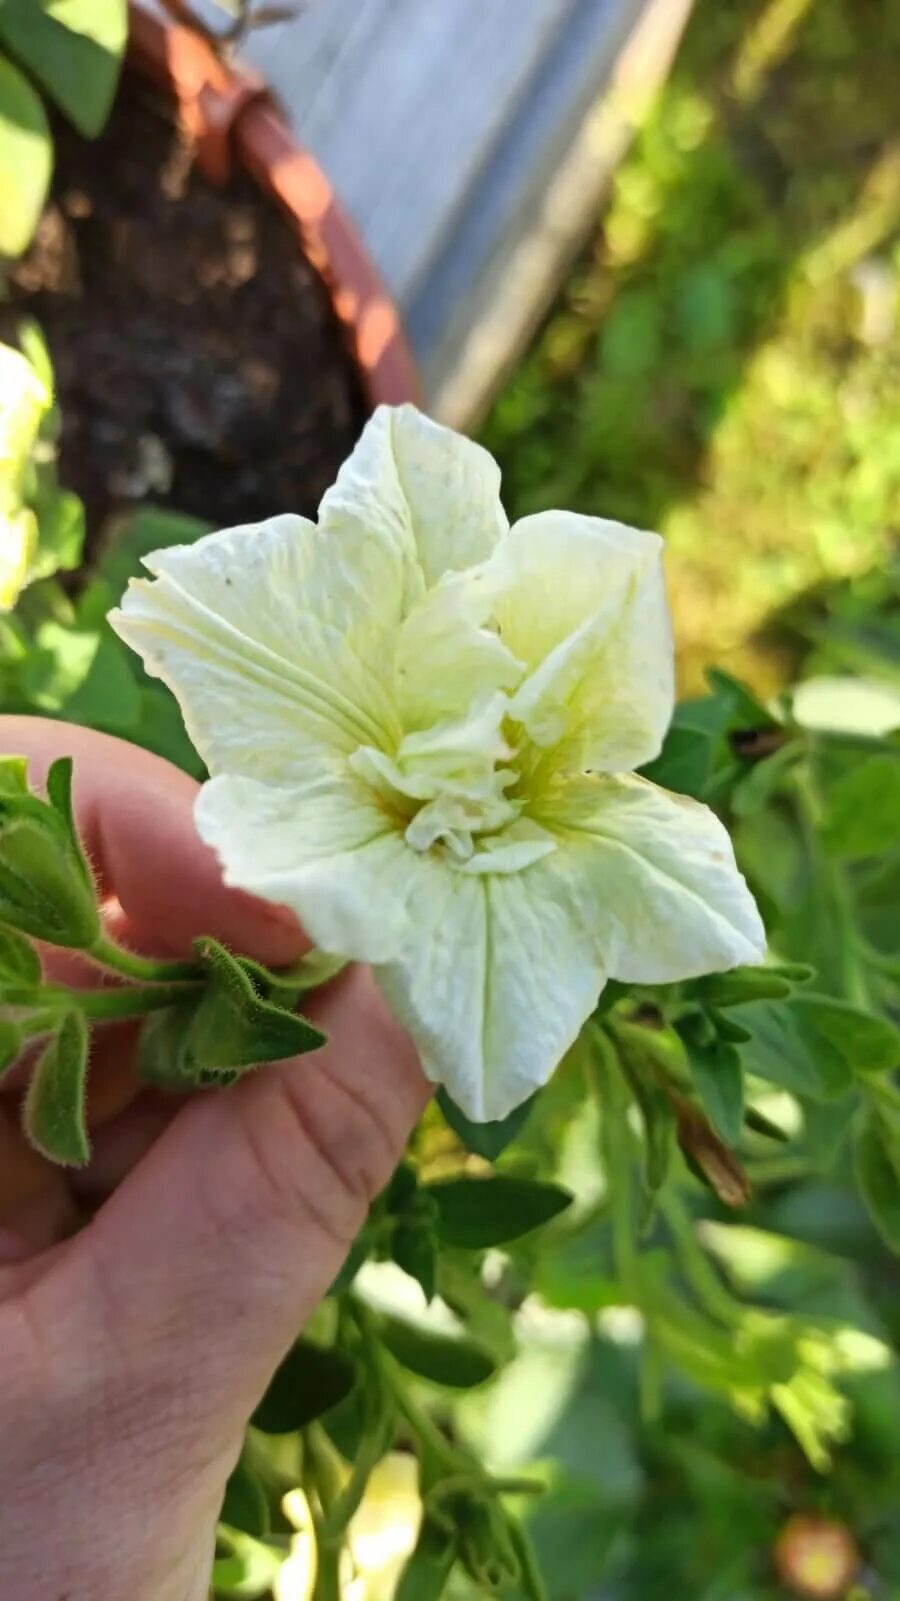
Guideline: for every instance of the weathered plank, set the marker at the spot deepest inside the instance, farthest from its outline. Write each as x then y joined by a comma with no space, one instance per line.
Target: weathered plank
403,101
462,137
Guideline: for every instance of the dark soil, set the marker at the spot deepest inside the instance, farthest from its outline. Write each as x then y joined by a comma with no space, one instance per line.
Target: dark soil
198,361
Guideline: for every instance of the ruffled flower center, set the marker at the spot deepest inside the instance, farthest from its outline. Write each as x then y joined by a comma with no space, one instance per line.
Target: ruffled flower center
451,789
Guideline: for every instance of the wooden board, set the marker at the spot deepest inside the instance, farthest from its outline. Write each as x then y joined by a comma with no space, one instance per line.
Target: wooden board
444,125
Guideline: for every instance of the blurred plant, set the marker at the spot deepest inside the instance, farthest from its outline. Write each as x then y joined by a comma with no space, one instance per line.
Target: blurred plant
722,363
70,51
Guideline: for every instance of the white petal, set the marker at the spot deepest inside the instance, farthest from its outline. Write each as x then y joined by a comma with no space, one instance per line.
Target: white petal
582,602
325,850
660,890
495,979
446,655
277,648
423,491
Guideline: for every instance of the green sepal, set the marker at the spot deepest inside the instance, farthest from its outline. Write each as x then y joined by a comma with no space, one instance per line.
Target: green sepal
487,1140
745,984
20,965
46,888
54,1114
214,1037
286,985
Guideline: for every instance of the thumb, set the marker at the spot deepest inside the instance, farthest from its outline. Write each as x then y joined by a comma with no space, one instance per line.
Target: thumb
219,1245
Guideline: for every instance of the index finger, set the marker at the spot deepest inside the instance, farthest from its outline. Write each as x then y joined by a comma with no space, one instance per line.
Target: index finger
135,815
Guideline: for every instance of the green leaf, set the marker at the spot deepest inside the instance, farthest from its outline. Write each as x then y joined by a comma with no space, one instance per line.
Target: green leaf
867,1042
414,1250
877,1165
716,1071
54,1103
477,1213
73,48
245,1506
26,158
83,675
457,1363
787,1048
147,529
60,517
20,965
425,1576
310,1381
684,763
863,811
487,1140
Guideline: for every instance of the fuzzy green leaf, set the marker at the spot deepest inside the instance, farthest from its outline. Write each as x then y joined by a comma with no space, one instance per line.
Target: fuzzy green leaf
55,1101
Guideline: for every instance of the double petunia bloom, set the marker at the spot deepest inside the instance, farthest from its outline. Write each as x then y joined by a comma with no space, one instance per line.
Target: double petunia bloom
421,725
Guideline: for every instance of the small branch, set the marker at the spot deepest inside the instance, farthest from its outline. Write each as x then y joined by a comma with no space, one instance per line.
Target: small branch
144,969
110,1003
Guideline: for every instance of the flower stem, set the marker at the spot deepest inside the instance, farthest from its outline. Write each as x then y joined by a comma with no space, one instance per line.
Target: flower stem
145,969
109,1003
325,1480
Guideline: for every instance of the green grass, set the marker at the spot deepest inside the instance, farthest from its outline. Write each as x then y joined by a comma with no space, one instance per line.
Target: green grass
724,361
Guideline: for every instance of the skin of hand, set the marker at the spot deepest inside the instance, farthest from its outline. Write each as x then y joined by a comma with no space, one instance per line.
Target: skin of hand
134,1345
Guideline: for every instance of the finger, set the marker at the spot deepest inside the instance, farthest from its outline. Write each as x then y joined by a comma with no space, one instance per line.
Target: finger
220,1244
121,1143
112,1085
135,815
38,1224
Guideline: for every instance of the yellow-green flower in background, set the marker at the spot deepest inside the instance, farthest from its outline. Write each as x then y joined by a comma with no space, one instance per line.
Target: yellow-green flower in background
422,724
380,1537
24,398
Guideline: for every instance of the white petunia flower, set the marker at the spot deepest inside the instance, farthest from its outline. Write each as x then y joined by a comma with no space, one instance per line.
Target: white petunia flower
421,725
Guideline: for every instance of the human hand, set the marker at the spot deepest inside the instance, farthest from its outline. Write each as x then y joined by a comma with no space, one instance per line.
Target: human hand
134,1348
